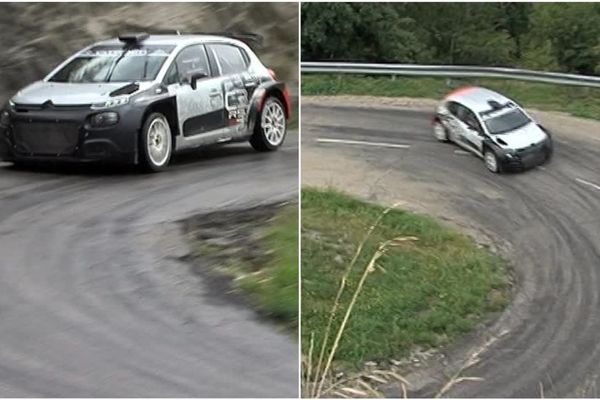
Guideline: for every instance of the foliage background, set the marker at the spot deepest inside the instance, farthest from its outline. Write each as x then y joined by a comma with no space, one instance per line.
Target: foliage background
544,36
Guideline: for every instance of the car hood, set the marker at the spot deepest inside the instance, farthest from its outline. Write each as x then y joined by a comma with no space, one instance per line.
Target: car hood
520,138
69,93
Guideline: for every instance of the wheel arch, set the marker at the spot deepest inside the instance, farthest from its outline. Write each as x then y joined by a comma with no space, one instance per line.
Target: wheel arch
168,108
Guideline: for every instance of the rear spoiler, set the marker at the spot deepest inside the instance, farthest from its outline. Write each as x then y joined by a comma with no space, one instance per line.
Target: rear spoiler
247,37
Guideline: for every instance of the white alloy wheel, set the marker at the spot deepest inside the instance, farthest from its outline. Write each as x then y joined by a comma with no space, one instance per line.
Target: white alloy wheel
158,141
272,122
491,162
439,131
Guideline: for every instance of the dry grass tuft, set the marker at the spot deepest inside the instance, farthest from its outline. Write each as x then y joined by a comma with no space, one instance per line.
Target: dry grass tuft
359,385
471,361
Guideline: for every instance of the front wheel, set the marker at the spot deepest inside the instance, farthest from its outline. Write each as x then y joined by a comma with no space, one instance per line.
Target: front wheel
491,161
156,143
270,130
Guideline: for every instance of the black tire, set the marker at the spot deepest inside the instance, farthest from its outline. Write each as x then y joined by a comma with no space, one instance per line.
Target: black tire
148,163
549,152
259,140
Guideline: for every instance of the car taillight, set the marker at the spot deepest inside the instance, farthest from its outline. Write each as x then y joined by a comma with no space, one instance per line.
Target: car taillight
273,74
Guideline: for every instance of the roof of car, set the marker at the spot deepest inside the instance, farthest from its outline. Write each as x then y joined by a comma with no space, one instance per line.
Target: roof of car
476,98
173,40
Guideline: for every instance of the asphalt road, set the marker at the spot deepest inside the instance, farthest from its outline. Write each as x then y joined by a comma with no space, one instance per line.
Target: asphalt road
548,217
94,301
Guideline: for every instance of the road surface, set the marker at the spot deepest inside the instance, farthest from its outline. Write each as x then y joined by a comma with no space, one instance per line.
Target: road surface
546,221
94,301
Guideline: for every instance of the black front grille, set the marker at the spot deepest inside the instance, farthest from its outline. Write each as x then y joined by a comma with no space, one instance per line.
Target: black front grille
534,148
46,138
59,107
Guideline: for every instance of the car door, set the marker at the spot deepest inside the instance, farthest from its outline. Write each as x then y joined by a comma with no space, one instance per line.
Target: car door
461,129
452,121
238,84
473,133
200,110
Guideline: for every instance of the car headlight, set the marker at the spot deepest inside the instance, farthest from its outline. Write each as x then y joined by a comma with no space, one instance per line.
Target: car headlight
107,118
510,153
110,103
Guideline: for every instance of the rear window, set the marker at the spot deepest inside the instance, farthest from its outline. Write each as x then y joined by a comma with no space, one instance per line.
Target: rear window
230,58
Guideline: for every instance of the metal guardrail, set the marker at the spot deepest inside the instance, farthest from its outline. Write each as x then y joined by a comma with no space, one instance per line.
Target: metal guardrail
451,71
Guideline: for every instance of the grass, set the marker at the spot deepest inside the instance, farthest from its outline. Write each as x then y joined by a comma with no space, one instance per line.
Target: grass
274,287
428,286
577,101
253,252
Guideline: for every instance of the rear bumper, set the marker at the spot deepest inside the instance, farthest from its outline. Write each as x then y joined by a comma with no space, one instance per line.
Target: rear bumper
67,135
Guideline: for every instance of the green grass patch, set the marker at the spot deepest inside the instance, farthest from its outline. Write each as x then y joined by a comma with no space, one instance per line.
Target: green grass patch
252,253
577,101
274,287
425,293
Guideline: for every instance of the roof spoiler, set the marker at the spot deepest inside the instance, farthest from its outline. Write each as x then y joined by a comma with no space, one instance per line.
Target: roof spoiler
247,37
133,38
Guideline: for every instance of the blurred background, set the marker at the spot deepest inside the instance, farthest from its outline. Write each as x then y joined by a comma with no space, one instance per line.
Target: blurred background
557,37
38,36
542,36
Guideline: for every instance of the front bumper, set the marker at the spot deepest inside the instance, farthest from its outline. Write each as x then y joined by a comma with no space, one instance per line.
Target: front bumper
527,158
35,133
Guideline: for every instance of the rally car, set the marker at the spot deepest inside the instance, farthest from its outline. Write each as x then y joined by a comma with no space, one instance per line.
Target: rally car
140,98
494,128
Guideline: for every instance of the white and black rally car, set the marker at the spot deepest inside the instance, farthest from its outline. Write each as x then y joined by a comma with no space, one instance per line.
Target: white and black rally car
494,128
140,98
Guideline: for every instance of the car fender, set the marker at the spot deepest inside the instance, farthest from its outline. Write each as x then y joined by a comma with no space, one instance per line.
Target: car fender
260,94
493,146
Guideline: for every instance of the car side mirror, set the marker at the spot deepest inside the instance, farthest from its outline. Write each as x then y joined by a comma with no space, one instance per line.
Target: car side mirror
195,75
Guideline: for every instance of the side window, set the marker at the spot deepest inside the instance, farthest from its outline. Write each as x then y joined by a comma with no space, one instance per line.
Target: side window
453,108
192,58
172,75
230,58
461,112
471,120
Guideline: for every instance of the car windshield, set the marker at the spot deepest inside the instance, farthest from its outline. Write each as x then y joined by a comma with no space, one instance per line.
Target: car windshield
114,64
507,122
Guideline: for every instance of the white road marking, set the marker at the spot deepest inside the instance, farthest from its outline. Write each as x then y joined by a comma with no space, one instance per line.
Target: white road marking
362,143
540,167
597,187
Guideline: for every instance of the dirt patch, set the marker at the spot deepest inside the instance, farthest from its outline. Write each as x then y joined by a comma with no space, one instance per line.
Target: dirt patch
227,246
329,169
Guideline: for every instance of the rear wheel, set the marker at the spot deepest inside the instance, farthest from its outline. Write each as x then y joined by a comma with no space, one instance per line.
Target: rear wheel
439,131
156,143
270,129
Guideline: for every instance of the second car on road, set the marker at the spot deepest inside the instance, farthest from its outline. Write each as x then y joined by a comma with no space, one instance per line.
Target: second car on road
494,128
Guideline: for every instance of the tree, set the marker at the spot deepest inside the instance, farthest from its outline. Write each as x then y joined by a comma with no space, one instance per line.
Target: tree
573,31
358,31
